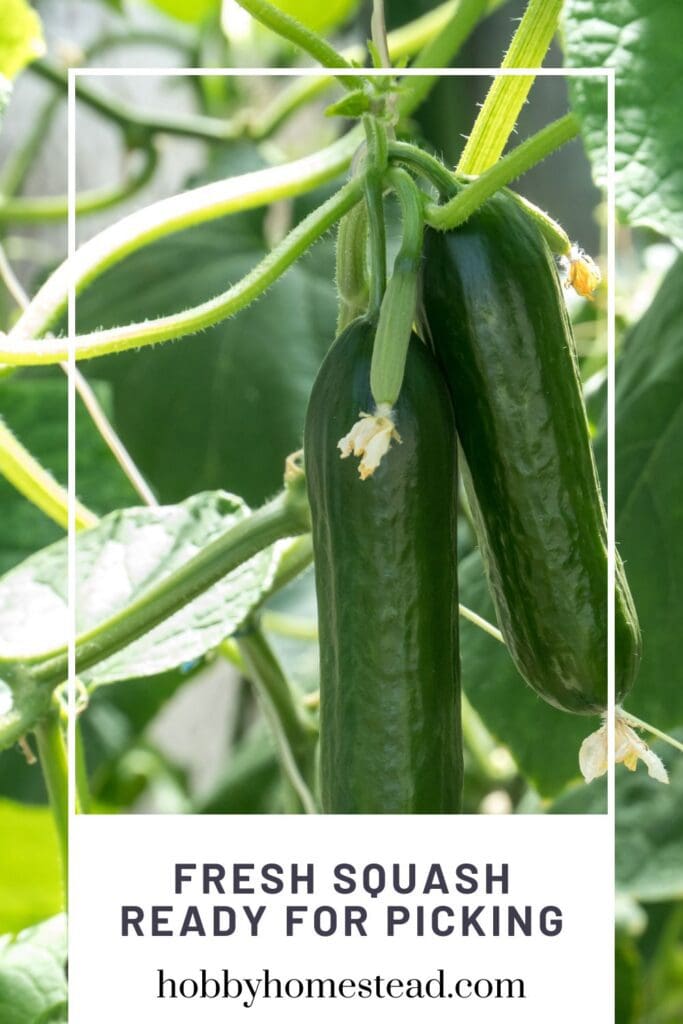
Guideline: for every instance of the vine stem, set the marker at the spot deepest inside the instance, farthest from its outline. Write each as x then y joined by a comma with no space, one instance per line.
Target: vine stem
351,266
188,209
285,516
397,312
53,763
96,413
426,165
506,97
294,735
515,163
289,28
402,42
197,318
638,723
137,126
481,623
36,209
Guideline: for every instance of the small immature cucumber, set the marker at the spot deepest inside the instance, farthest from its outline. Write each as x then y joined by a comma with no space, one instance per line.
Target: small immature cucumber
501,332
386,579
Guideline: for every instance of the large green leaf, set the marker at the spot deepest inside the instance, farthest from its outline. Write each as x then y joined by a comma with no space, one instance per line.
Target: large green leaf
30,873
544,742
649,495
116,562
33,987
21,37
223,408
642,41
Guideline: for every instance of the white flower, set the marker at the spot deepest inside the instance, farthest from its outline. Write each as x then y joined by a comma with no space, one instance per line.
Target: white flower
628,750
370,439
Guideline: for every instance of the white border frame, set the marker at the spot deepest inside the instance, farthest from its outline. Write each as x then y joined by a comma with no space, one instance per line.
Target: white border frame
74,74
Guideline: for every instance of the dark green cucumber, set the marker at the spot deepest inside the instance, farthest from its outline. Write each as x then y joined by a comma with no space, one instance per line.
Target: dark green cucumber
500,329
386,579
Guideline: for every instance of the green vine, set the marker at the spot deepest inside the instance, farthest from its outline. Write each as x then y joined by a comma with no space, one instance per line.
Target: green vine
519,160
188,209
197,318
36,209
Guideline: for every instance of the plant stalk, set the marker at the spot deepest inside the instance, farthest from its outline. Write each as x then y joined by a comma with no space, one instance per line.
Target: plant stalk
295,32
53,763
197,318
294,735
188,209
37,209
285,516
374,184
506,97
515,163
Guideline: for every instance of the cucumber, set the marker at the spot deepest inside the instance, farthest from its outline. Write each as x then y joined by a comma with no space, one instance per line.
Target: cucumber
500,330
386,581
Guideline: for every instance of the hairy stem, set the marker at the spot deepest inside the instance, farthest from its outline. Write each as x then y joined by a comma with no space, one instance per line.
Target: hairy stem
289,28
426,165
136,125
196,206
506,97
509,167
402,42
197,318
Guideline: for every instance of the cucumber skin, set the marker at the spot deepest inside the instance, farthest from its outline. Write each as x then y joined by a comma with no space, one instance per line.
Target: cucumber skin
386,579
501,332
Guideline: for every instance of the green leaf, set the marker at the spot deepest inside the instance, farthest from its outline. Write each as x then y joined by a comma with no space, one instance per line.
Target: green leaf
649,832
30,873
352,105
117,561
21,37
33,987
227,406
649,495
543,741
641,40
